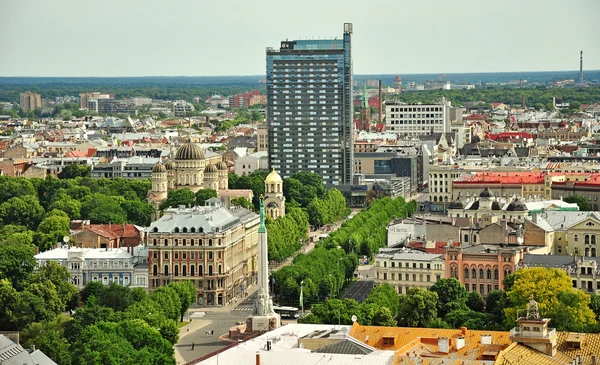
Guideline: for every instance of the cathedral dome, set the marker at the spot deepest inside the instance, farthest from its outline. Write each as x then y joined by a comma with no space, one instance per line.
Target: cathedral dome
516,206
222,165
170,165
159,167
190,151
211,168
457,204
273,177
485,193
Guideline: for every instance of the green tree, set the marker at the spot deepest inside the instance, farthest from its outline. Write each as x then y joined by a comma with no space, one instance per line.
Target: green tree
116,297
417,307
383,317
452,295
186,291
58,275
175,198
92,289
68,205
475,301
384,295
88,315
203,195
75,170
167,299
102,209
24,210
11,187
467,318
553,291
311,179
17,264
495,303
138,212
49,338
242,202
52,229
8,302
581,202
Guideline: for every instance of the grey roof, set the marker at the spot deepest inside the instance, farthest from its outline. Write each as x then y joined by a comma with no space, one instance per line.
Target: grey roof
41,358
208,219
559,261
558,219
345,346
13,354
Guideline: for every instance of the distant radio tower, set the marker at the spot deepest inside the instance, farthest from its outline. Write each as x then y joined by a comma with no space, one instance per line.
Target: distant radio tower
581,68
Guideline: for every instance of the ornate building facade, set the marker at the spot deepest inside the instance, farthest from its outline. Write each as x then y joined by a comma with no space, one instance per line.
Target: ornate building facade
214,247
191,168
274,199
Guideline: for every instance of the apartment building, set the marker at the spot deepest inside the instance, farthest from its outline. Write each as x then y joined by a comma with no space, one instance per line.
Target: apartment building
417,119
405,268
214,247
30,101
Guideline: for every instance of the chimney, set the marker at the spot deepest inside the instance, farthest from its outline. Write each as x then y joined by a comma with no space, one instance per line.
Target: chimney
32,348
443,345
534,218
257,358
460,343
486,339
380,104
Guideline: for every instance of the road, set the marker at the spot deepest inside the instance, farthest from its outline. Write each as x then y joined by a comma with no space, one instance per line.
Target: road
359,290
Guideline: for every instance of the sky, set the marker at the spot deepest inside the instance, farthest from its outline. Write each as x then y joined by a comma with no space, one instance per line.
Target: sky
216,38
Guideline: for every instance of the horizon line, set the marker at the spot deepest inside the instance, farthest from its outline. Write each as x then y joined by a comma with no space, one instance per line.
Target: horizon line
261,75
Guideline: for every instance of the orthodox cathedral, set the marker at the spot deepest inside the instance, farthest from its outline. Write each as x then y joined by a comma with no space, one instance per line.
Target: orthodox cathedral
193,168
190,168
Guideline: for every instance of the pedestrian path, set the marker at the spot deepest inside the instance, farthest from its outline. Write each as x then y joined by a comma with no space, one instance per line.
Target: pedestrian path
243,308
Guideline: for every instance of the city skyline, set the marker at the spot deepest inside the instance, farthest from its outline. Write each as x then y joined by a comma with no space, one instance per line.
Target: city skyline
217,39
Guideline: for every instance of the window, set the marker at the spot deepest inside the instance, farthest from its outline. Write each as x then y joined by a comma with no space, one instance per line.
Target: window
489,274
474,274
481,274
466,273
166,255
496,274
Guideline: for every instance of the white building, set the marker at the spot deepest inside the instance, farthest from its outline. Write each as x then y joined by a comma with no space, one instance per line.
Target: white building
406,268
415,120
180,107
403,230
248,164
100,264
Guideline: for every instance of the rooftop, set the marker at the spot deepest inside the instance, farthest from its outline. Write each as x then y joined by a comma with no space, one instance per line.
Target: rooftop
501,178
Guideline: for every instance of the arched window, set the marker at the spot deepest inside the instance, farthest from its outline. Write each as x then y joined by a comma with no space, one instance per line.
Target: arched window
200,230
193,229
489,274
155,229
496,274
192,242
220,269
184,229
435,198
593,239
176,242
183,270
154,241
176,270
200,270
481,274
466,273
176,229
210,242
474,287
593,251
587,239
210,270
192,270
166,242
166,272
575,237
155,270
587,251
474,274
384,264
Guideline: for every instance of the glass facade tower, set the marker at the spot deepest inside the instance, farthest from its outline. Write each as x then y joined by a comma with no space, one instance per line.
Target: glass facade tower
309,108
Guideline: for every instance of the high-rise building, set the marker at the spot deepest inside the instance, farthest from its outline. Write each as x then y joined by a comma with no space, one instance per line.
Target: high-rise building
30,101
309,107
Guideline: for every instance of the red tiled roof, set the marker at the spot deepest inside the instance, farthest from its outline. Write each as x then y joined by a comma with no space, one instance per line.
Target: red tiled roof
103,232
75,154
509,135
502,178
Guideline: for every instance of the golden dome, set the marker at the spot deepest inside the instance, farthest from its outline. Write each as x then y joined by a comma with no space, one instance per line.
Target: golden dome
190,151
211,168
159,167
273,177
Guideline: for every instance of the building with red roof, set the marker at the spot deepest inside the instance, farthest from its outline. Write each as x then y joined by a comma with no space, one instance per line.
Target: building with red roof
504,184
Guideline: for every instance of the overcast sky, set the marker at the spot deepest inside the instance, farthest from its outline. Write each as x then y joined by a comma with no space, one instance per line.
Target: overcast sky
218,37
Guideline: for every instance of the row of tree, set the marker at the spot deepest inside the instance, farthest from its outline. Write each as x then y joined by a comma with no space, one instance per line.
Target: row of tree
323,272
447,304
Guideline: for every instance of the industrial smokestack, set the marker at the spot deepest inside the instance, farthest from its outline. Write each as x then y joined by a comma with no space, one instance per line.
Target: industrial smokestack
581,68
380,103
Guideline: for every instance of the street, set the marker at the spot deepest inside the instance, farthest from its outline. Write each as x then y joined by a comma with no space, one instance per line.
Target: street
359,290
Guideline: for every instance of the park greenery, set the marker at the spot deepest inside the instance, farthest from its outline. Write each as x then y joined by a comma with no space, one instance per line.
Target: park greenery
323,272
39,211
110,323
580,200
447,304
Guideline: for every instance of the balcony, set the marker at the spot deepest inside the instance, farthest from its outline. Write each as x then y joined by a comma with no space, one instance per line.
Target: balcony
517,333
